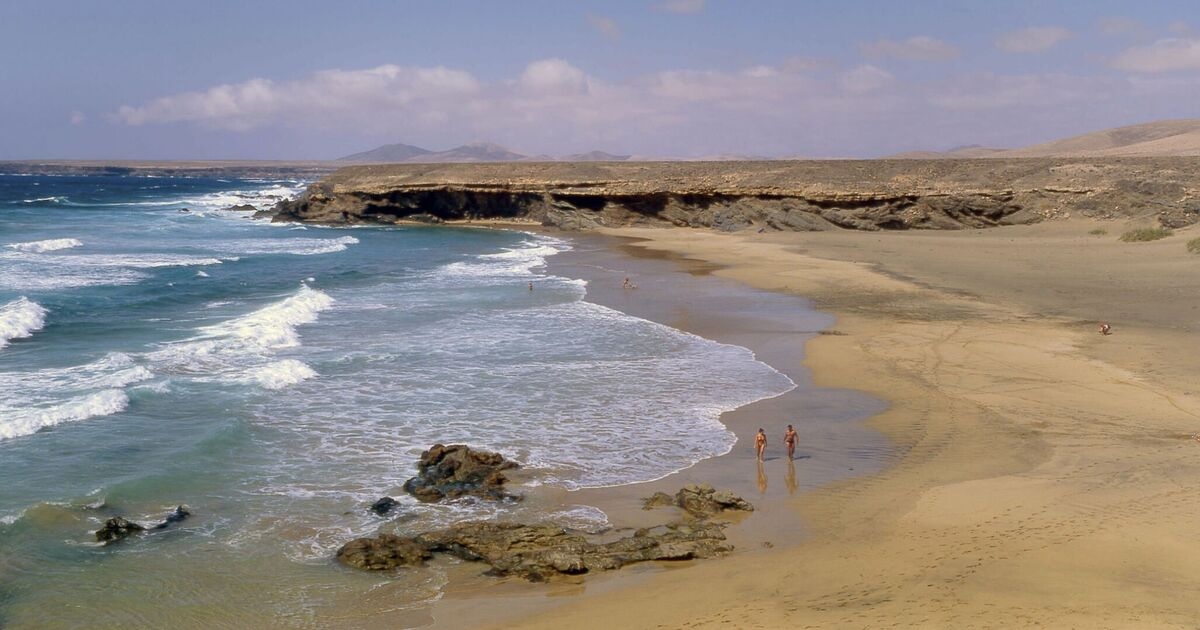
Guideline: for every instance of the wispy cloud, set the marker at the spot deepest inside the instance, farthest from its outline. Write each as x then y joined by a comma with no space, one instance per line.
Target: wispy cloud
1034,39
606,26
554,106
865,78
1164,55
919,48
77,117
683,6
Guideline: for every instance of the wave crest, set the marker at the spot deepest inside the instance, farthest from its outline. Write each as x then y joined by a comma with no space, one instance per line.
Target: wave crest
20,318
21,422
49,245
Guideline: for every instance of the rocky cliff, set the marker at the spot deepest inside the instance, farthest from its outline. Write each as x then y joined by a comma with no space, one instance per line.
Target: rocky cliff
778,195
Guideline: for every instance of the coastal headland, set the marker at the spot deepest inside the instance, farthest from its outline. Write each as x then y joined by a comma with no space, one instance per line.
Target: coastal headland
770,195
1044,474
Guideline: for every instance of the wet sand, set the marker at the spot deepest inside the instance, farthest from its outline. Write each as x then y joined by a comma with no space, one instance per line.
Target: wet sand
1044,475
834,441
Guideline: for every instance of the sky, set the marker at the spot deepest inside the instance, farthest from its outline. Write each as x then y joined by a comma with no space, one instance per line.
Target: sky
313,79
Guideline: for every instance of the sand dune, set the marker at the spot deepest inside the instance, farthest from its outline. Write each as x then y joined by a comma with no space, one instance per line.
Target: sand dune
1163,138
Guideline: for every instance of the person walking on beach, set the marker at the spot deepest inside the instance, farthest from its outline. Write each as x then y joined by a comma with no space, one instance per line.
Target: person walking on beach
760,443
530,286
789,438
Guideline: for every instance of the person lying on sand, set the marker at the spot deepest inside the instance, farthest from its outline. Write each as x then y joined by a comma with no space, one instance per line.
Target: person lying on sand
1105,329
789,438
760,443
628,284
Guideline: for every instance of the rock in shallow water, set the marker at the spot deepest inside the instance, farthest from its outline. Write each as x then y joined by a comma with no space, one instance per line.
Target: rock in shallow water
384,505
447,472
117,528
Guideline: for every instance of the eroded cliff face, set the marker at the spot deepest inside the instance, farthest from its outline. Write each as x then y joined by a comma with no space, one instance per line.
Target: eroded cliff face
882,195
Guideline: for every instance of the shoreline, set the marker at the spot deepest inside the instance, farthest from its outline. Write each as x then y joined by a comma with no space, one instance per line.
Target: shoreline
684,294
1046,474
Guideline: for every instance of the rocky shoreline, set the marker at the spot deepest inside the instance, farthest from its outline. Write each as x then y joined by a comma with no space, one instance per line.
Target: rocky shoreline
539,551
777,195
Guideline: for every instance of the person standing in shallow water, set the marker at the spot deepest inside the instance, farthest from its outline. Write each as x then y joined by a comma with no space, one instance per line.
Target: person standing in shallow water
760,443
789,438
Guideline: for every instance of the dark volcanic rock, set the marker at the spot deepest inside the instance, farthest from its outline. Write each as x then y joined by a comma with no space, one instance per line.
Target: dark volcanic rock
384,505
458,470
385,552
536,552
117,528
177,515
242,207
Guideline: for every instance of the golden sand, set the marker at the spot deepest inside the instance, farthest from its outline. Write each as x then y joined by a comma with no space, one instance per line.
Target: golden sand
1048,475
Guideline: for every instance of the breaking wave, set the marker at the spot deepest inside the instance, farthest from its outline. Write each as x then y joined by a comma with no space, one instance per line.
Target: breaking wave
20,318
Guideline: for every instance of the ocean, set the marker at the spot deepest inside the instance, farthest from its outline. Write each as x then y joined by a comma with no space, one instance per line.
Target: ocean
157,349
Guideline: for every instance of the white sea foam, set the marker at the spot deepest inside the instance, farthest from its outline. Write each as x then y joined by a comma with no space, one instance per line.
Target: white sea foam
20,318
27,277
201,274
44,199
141,261
242,349
296,246
48,245
515,262
274,326
281,374
19,422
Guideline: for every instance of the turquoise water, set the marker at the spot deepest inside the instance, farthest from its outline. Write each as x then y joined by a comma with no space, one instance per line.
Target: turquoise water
278,378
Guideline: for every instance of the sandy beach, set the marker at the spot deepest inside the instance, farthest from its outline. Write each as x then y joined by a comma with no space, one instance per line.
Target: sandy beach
1042,474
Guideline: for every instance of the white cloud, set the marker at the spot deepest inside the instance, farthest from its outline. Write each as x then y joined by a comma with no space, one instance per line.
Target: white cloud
1164,55
606,26
1034,39
552,106
328,93
683,6
865,78
77,117
553,75
920,48
987,90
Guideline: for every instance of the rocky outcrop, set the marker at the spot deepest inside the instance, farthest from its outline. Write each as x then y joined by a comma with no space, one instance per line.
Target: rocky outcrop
699,501
536,552
778,195
448,472
118,528
383,506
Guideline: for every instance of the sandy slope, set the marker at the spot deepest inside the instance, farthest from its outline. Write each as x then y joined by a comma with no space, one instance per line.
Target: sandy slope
1048,478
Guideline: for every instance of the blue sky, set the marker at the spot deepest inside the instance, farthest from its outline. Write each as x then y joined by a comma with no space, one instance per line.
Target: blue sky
316,80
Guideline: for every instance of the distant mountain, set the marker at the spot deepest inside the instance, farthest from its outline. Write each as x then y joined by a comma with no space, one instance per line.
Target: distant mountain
1160,138
475,152
387,153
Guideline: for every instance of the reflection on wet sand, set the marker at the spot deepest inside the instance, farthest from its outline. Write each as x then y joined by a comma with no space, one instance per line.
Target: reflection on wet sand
762,478
790,480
